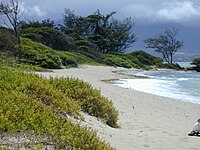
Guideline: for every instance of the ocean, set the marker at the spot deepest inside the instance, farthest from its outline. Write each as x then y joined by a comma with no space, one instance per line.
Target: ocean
180,85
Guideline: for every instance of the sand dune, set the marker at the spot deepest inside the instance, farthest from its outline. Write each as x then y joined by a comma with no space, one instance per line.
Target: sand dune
146,121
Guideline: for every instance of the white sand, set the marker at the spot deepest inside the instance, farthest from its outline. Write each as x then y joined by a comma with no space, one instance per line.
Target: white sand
147,121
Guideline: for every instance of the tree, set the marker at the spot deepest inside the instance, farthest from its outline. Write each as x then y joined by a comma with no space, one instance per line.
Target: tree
166,44
69,18
122,34
37,24
101,30
48,36
12,12
107,33
110,34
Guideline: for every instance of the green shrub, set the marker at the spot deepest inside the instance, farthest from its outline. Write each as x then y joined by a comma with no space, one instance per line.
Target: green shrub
31,103
87,54
144,58
115,60
48,36
196,62
89,49
72,59
112,61
37,54
89,99
7,39
82,43
126,64
92,54
83,48
8,61
136,59
40,89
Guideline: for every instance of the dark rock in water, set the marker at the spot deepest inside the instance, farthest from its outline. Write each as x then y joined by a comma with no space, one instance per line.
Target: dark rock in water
197,69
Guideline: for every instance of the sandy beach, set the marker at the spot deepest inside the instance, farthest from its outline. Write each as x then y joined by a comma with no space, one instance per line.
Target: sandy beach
147,122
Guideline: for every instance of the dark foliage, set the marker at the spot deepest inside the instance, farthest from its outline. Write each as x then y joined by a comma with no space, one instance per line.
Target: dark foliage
7,39
136,59
166,44
196,62
38,54
107,33
144,58
48,36
170,66
37,24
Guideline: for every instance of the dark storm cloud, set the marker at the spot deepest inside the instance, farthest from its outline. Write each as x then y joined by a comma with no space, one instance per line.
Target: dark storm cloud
150,16
154,11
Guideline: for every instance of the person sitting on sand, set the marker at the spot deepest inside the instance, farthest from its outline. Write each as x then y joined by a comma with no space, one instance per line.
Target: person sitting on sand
195,129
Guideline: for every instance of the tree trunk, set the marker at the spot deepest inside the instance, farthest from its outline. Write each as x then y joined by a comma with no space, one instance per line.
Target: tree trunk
171,58
17,35
166,57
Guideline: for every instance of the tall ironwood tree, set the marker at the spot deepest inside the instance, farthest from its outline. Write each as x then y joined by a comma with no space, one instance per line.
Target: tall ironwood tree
165,43
109,34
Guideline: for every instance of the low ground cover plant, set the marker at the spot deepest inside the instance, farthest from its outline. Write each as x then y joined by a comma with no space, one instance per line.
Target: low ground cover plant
29,103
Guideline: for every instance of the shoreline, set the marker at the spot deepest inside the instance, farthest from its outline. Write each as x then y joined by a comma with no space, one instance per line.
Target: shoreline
146,121
156,85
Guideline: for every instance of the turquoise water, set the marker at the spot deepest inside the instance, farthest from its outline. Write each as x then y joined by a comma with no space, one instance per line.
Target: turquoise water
178,85
185,64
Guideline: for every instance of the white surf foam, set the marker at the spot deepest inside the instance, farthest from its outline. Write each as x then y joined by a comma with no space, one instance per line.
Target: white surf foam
159,87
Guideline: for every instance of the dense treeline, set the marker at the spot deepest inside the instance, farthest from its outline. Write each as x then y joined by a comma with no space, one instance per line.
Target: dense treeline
96,31
94,38
108,33
92,35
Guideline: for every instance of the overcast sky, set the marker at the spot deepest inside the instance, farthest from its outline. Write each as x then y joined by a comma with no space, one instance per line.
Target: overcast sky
150,16
185,12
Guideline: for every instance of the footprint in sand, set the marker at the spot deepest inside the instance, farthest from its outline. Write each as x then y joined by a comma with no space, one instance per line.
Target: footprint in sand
145,145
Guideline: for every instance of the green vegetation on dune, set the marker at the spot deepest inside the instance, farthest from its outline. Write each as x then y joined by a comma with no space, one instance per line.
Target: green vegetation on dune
196,62
115,60
48,36
88,98
72,59
143,58
136,59
38,54
31,103
80,50
89,39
